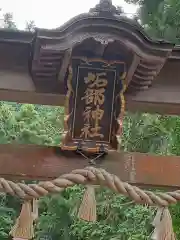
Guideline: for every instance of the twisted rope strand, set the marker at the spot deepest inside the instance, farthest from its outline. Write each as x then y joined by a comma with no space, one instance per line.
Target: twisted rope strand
86,176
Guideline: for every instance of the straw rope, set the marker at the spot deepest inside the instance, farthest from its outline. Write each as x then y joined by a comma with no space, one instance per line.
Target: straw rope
88,176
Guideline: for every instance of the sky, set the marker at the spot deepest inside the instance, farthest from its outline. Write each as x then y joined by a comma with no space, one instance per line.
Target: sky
53,13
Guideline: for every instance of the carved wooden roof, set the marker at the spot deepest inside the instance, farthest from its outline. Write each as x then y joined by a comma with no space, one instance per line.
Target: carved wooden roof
103,32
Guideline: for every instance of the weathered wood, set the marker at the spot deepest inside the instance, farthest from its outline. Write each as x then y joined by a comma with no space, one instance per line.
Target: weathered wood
31,97
158,107
91,121
40,162
159,98
132,69
64,66
133,104
163,97
16,80
42,54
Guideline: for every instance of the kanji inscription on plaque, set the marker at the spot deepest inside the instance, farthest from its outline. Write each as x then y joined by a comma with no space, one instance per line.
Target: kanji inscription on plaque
95,91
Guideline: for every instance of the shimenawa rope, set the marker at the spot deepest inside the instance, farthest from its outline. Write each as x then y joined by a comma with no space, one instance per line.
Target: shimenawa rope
89,176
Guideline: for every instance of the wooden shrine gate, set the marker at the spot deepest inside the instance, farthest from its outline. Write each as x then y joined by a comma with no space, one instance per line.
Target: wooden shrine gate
33,68
88,65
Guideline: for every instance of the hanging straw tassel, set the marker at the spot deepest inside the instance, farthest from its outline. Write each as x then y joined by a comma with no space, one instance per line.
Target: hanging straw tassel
23,228
163,225
87,210
35,213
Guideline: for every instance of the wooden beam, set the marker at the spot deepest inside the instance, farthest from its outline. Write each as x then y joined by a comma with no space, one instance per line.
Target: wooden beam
161,99
32,97
153,107
133,104
43,163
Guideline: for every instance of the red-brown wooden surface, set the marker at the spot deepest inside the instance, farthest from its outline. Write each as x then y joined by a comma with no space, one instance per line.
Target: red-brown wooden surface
40,162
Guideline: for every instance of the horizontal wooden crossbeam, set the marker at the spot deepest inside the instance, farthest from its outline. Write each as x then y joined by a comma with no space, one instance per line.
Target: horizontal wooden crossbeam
43,163
133,104
32,97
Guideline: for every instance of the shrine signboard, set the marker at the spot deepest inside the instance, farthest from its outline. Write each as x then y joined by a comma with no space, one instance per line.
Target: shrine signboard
94,104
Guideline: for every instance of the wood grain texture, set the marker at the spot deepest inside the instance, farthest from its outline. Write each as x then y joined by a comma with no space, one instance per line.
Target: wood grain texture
43,163
32,97
165,105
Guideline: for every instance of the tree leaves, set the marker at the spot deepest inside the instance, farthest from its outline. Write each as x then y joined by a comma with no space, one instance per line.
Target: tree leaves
160,18
118,217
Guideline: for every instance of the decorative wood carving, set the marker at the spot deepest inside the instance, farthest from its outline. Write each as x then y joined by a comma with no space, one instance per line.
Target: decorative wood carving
44,55
64,66
105,6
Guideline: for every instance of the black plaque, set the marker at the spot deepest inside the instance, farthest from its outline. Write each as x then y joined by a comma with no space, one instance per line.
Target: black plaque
94,102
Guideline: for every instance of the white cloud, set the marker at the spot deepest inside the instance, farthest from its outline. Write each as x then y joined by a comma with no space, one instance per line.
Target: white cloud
51,14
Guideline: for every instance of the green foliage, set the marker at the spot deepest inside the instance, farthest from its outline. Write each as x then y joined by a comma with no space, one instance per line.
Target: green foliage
147,133
30,26
160,18
115,218
55,220
118,218
8,21
30,124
